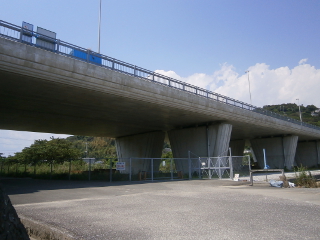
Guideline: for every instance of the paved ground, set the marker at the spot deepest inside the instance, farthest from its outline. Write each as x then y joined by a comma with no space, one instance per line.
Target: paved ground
199,209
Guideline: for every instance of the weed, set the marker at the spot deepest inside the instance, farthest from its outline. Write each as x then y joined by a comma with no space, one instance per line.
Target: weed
304,178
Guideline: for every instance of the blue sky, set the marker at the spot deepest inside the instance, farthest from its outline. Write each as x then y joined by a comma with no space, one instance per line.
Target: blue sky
209,43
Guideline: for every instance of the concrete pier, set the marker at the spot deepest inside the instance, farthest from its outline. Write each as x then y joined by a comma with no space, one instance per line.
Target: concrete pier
279,151
203,141
308,153
146,145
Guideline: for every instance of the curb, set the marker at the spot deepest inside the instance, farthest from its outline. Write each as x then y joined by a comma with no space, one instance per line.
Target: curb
40,231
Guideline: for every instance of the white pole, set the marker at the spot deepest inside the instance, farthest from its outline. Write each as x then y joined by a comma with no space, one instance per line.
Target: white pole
299,110
264,158
99,30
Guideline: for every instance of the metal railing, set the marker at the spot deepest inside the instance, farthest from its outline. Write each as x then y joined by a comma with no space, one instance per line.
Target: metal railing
16,33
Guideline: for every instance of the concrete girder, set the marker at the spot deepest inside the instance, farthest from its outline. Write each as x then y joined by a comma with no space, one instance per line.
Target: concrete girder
145,145
204,141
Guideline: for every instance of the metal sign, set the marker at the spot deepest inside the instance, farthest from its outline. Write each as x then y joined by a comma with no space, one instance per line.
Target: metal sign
120,166
27,31
46,39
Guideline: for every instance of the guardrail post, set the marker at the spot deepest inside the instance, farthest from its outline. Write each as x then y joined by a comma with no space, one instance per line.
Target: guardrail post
58,45
134,71
21,33
88,55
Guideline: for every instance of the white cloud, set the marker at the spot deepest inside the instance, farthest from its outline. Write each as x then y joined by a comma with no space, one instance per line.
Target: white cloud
303,61
268,86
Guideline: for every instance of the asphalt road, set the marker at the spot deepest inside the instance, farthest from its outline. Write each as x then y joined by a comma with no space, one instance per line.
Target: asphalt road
199,209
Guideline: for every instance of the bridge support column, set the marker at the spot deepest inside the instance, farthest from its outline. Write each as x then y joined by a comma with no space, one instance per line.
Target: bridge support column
280,151
204,141
289,147
237,147
146,145
308,154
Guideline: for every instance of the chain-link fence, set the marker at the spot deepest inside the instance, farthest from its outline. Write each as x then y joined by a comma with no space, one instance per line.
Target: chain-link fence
130,169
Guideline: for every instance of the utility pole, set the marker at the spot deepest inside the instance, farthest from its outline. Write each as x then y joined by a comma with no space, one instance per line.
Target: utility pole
299,111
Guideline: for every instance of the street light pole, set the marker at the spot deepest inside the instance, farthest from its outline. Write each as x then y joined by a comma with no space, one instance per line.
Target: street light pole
299,110
99,30
249,86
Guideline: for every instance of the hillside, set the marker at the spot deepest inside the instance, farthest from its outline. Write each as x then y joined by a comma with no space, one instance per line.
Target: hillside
309,113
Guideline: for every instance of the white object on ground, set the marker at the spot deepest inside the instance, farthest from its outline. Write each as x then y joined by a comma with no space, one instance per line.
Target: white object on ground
274,183
291,184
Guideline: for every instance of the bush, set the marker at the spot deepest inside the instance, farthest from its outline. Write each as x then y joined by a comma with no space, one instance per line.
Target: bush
304,178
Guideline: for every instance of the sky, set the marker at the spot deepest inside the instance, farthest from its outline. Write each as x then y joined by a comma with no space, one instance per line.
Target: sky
207,43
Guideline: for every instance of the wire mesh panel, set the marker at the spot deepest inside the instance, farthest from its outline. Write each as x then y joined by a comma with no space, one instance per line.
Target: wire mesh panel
222,167
241,165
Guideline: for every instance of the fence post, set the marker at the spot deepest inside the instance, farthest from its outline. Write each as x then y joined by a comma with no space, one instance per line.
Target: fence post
110,173
219,160
199,168
231,165
130,172
189,161
70,170
89,173
209,167
152,169
1,167
171,169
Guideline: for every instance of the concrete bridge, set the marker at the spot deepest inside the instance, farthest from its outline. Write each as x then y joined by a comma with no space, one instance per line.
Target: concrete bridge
45,89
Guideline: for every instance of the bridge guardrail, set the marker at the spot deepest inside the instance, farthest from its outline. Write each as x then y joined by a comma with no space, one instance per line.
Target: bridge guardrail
14,32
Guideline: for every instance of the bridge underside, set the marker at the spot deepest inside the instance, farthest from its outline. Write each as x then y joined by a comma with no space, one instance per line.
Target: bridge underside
46,92
35,104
